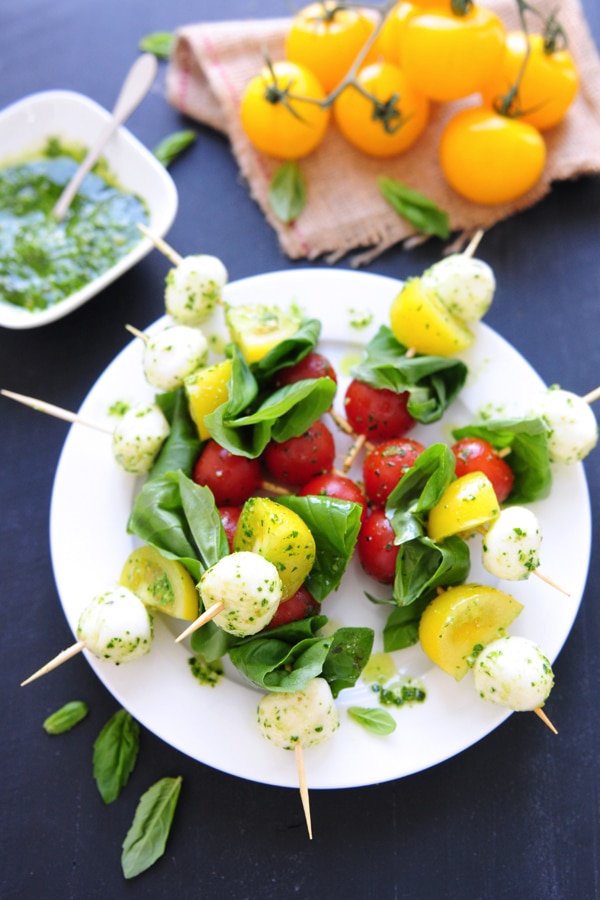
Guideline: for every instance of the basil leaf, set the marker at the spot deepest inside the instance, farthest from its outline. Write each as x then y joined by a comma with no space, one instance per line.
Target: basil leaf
422,565
288,352
347,657
159,42
415,207
419,490
146,840
402,627
172,146
201,512
66,717
182,446
377,721
212,642
287,192
115,754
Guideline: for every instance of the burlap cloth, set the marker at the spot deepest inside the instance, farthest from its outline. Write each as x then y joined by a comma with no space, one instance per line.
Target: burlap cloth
212,63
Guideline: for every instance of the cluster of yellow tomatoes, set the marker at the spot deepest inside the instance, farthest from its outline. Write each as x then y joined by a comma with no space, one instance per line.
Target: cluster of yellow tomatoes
425,52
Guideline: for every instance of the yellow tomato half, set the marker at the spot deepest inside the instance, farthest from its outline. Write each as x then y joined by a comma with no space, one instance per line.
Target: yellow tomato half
420,320
548,86
466,504
489,158
362,121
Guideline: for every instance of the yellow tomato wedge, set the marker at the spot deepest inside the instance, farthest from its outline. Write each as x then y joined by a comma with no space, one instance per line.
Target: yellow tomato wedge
458,623
465,505
257,329
420,321
281,536
207,389
160,583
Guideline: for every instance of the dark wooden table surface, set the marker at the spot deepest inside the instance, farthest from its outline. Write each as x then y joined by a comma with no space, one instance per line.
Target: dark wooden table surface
516,815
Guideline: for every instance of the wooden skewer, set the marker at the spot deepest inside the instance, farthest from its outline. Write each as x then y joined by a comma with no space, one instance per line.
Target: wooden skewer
161,245
303,787
592,396
205,617
353,452
58,660
56,411
473,243
542,715
137,333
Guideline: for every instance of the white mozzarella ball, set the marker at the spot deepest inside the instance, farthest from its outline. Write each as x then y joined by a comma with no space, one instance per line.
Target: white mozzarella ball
138,437
172,355
250,588
193,288
465,285
304,717
116,626
511,545
513,672
572,423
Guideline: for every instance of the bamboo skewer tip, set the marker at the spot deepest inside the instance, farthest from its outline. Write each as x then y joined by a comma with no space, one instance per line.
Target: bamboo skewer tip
58,660
542,715
303,788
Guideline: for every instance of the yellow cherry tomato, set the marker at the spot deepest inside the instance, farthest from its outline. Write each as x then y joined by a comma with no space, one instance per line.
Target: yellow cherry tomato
273,117
548,85
489,158
326,38
448,56
466,504
388,124
388,42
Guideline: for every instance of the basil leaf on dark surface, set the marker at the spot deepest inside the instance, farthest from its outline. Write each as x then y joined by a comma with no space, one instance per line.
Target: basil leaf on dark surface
172,146
65,718
115,754
415,207
287,192
377,721
146,840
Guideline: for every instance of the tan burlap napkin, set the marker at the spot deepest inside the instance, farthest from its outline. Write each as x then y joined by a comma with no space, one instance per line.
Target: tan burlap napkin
212,63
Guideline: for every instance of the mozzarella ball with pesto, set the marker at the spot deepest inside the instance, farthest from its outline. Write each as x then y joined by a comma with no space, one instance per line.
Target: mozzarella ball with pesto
173,354
513,672
116,626
138,436
511,545
193,288
573,426
250,588
465,285
305,717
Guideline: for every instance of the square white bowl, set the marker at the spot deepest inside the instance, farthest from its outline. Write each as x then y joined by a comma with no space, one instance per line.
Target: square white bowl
26,125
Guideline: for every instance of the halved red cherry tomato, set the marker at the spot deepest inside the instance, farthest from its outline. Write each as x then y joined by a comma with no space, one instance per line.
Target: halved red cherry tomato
300,605
376,549
476,455
229,519
231,478
314,365
389,123
295,461
490,158
378,413
332,484
386,464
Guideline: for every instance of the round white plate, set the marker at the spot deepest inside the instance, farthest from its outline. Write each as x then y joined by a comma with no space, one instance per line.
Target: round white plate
92,499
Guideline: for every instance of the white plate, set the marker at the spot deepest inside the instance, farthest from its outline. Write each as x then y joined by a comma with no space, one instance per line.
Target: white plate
92,500
25,127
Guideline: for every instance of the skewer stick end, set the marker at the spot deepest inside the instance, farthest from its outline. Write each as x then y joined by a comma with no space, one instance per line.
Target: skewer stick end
58,660
542,715
303,788
202,619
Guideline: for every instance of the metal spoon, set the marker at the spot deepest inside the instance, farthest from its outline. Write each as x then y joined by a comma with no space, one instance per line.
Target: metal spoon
135,87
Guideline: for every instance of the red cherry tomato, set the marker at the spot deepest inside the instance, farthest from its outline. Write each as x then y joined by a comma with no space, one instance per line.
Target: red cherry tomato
476,455
297,460
385,465
378,413
231,478
300,605
331,484
314,365
376,549
229,519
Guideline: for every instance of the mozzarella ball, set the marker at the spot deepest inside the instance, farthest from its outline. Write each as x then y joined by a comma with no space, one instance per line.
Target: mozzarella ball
511,545
138,437
465,285
250,588
304,717
513,672
573,425
193,288
172,355
117,626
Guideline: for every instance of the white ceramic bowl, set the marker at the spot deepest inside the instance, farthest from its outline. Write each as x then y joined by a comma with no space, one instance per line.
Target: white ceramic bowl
27,124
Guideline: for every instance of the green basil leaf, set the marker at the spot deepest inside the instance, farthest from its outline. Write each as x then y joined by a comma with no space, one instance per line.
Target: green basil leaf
115,754
419,490
159,42
422,566
287,192
201,512
212,642
288,352
402,627
347,657
377,721
66,717
146,840
182,446
172,146
415,207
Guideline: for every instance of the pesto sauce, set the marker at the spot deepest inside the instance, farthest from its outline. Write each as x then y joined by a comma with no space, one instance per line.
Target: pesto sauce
43,261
